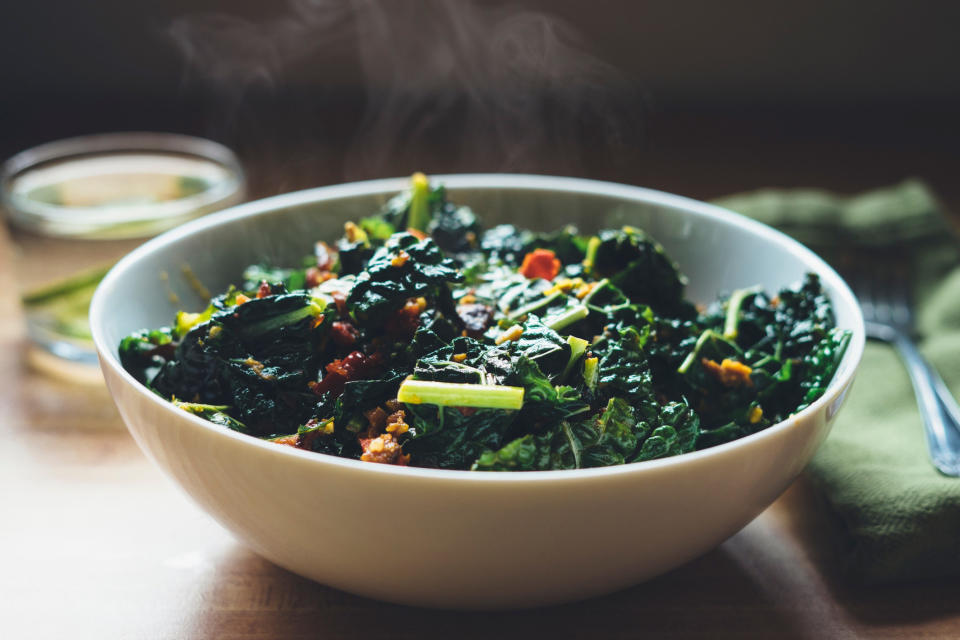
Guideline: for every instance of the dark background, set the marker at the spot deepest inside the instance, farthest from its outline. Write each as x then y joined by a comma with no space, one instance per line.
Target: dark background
697,97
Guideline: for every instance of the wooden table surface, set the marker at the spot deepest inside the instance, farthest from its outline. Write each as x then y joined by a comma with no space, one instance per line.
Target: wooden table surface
96,543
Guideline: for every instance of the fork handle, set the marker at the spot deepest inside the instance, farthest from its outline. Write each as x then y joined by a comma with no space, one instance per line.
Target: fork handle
939,417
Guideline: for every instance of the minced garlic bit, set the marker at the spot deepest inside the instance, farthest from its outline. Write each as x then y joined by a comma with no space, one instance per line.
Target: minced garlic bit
240,299
513,333
755,415
458,357
214,331
468,299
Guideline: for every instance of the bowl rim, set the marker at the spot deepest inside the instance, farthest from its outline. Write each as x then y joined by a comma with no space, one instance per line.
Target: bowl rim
109,357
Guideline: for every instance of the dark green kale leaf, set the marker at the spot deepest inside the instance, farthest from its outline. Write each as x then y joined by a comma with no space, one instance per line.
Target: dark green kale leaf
390,279
640,268
142,353
621,426
506,243
542,345
821,364
347,409
623,369
440,366
567,445
256,358
448,438
543,403
353,256
455,229
677,433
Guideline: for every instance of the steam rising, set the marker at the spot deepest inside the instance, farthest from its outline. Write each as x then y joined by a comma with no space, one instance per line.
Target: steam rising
449,84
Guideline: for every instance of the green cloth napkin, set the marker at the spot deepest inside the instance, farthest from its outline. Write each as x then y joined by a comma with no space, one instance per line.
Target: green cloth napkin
901,518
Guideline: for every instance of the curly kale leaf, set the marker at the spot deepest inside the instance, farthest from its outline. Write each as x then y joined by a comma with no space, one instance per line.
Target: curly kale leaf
640,268
567,445
623,369
256,357
451,438
144,352
454,228
508,245
404,267
820,365
677,433
543,403
609,306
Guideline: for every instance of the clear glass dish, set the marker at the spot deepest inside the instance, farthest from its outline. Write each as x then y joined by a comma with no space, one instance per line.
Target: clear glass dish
75,206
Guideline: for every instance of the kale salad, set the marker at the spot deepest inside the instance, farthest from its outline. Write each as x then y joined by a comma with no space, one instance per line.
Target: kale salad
419,338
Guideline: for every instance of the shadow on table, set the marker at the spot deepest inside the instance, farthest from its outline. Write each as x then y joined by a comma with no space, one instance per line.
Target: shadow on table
711,594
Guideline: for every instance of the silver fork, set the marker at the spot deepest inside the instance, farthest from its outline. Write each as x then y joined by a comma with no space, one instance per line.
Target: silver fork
883,289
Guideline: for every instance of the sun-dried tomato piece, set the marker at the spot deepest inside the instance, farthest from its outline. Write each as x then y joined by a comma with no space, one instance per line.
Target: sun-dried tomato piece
540,263
344,333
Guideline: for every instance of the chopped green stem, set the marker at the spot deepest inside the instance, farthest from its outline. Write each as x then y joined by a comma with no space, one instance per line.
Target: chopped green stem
196,407
419,217
314,308
574,444
577,347
568,317
692,356
452,394
733,310
592,245
533,306
593,291
590,372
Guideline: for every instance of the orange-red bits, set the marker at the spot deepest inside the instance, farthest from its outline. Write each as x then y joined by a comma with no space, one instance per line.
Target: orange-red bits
540,263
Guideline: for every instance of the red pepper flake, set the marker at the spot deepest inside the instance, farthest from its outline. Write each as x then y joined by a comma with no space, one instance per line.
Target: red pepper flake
540,263
264,290
420,235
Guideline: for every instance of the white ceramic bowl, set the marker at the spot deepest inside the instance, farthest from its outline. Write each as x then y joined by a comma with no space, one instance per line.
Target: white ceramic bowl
458,539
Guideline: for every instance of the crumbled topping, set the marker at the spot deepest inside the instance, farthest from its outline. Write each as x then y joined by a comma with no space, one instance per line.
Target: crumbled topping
729,373
513,333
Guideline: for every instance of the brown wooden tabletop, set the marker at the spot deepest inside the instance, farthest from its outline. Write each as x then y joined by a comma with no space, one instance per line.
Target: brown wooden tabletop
96,543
